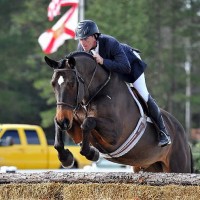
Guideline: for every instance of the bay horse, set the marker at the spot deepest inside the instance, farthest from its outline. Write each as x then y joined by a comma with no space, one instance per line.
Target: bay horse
96,108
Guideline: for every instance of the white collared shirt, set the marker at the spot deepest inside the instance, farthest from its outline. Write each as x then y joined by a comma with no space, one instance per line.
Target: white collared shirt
97,48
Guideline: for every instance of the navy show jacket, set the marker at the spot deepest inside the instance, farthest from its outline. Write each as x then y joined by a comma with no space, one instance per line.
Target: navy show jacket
119,57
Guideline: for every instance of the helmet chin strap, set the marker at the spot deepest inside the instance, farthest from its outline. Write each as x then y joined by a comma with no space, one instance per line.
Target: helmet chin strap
96,36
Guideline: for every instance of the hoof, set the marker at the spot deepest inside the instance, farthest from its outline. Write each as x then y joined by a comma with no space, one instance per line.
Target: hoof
93,154
66,165
67,159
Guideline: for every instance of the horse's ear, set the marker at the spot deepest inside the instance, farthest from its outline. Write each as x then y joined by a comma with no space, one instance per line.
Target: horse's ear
72,62
52,63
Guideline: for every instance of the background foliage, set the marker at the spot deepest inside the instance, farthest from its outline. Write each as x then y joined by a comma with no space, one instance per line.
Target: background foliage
166,32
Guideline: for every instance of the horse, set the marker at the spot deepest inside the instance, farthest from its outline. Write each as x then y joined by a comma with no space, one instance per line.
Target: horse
96,108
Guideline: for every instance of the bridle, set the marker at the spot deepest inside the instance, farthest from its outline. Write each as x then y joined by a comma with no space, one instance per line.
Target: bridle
80,81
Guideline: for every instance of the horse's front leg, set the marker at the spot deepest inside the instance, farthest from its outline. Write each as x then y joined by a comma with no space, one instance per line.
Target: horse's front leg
88,151
64,155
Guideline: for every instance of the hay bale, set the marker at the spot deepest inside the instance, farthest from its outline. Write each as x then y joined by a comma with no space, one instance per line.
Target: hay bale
41,191
95,191
130,191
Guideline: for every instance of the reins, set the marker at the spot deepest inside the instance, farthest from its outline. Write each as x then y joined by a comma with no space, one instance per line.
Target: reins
81,81
95,94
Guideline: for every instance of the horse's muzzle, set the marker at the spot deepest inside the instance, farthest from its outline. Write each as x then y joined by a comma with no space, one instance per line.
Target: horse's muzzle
64,124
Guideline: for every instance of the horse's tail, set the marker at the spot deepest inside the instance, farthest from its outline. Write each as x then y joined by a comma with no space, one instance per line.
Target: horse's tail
192,161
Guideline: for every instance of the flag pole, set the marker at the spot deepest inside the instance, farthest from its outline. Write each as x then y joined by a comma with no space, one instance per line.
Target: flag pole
81,10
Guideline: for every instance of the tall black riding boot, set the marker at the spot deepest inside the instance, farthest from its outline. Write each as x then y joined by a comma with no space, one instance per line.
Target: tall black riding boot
155,114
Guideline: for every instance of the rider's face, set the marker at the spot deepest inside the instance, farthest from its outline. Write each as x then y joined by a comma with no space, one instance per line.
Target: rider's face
88,43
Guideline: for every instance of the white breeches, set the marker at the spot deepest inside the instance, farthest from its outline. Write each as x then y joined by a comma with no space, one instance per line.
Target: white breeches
140,86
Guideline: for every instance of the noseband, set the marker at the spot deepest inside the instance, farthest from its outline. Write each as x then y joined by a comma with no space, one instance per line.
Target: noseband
81,81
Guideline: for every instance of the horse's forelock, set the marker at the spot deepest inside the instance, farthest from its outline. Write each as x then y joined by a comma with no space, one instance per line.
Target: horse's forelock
61,63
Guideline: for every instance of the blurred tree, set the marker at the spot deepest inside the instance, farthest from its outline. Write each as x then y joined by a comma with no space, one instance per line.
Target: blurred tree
20,102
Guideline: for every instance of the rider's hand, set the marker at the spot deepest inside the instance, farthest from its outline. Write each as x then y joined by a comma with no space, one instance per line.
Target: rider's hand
98,58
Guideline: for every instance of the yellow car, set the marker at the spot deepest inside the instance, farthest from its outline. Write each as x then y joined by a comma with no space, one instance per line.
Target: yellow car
26,147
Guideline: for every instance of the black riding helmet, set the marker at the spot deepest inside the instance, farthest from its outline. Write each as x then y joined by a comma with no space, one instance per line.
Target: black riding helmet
85,29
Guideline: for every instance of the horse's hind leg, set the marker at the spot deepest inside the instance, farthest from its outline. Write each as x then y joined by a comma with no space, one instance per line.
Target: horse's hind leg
155,167
64,155
89,152
181,162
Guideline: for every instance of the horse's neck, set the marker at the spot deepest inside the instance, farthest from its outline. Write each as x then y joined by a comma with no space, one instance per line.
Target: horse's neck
95,76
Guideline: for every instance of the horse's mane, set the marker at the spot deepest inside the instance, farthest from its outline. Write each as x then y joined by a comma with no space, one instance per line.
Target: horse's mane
79,53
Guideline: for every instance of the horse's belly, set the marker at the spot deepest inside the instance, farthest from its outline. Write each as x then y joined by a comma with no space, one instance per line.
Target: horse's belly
141,156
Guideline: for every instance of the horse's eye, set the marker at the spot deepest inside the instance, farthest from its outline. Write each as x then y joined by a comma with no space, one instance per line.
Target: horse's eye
53,83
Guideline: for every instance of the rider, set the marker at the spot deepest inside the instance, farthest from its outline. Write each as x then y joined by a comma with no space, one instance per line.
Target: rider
125,60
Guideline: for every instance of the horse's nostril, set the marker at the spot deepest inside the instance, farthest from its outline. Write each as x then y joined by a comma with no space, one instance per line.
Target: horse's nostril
67,124
64,124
